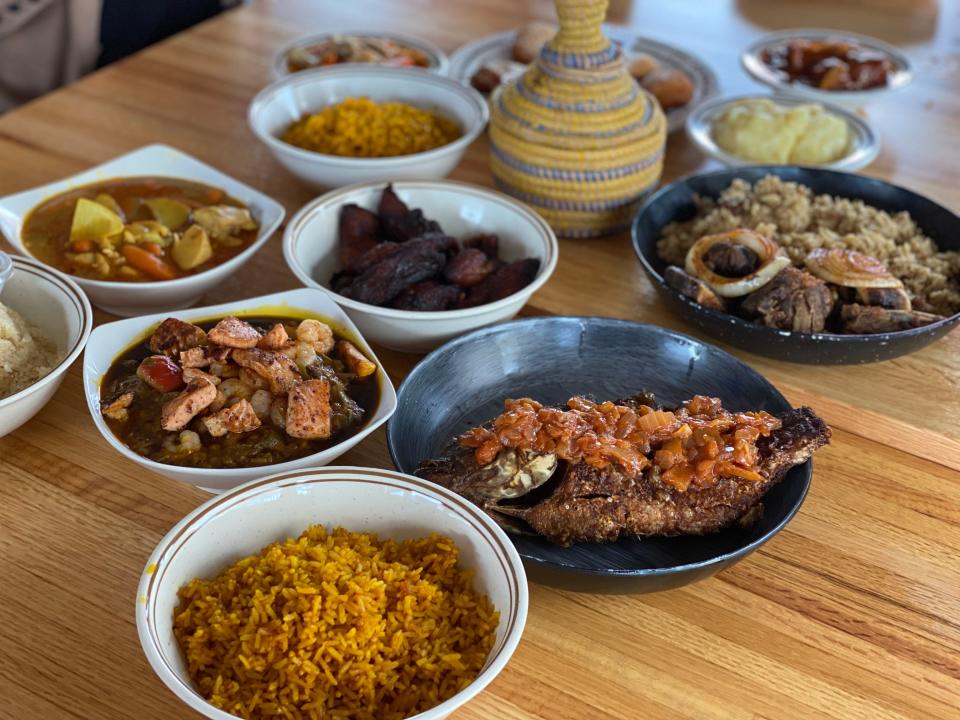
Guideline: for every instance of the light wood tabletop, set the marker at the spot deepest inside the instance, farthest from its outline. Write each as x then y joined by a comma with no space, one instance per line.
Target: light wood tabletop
853,611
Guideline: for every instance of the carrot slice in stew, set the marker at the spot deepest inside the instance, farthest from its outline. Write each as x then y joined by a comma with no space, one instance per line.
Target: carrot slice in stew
150,265
81,246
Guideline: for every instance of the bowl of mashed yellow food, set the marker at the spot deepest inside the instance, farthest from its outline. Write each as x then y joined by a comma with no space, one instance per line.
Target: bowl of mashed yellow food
762,130
45,320
365,123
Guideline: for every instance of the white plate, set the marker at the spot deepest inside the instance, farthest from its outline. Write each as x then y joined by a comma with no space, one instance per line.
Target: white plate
862,150
110,340
760,71
469,58
395,506
438,58
129,299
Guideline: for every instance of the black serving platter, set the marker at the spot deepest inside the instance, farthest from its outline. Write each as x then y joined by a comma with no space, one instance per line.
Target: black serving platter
465,382
675,202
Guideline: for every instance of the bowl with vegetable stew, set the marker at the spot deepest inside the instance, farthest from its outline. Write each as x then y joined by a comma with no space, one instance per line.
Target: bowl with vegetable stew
148,231
220,395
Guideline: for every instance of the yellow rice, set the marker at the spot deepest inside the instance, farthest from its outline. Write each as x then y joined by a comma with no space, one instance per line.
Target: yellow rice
360,127
339,626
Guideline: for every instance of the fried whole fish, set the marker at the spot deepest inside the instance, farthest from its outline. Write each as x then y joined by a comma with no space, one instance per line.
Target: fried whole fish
581,499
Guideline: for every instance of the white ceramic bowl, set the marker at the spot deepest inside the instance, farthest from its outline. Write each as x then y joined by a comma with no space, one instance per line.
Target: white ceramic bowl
751,61
110,340
130,299
862,148
53,302
438,59
396,506
287,100
311,239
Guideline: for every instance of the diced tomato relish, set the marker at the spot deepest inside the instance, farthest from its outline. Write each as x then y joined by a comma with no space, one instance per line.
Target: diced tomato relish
695,444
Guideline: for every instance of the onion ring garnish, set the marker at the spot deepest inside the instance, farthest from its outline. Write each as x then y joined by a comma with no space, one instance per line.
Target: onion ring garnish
850,268
771,262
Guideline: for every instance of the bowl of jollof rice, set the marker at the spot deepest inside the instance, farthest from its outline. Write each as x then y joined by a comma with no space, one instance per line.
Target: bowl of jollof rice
337,592
360,123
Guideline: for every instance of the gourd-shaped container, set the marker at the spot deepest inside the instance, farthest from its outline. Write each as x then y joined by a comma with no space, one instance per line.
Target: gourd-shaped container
575,137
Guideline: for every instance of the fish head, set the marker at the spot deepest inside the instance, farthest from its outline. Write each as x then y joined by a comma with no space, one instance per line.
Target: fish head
514,473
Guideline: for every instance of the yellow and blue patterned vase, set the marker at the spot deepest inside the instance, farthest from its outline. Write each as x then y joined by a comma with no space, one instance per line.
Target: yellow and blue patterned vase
575,137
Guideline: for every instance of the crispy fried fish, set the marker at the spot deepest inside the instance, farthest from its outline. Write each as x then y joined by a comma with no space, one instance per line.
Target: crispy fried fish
530,491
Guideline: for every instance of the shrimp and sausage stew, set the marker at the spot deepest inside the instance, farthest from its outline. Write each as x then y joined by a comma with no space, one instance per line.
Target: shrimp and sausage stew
235,393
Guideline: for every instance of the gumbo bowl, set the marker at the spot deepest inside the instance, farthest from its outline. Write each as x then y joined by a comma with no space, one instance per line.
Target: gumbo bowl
112,339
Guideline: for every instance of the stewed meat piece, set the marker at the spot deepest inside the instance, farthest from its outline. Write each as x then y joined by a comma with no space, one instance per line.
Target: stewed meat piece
234,333
308,410
794,300
694,288
238,418
276,368
174,336
179,411
869,319
731,259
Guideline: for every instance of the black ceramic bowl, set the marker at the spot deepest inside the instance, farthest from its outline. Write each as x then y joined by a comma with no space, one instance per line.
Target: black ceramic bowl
465,382
675,202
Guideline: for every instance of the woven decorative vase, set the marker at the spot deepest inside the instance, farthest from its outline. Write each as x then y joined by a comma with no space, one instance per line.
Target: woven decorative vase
574,136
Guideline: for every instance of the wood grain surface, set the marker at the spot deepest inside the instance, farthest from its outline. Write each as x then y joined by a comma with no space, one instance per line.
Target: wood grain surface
852,612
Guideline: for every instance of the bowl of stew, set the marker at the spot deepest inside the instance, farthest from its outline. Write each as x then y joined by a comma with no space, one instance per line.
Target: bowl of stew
220,395
149,231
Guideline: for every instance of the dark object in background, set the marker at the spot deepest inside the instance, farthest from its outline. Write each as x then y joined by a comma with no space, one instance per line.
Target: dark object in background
127,26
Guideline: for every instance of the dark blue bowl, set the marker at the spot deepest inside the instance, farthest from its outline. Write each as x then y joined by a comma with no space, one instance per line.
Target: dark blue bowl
675,202
464,384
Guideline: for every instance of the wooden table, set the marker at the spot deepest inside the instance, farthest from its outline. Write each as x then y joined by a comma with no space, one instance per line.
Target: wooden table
852,612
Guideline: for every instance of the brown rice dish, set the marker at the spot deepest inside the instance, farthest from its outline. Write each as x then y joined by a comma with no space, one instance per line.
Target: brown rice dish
336,625
26,355
854,236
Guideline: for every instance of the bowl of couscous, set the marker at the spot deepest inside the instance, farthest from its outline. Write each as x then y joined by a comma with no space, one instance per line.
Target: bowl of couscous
45,320
343,125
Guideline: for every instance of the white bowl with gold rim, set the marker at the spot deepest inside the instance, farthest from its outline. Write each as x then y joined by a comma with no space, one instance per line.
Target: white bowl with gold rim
392,505
54,304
